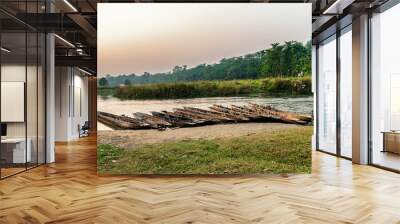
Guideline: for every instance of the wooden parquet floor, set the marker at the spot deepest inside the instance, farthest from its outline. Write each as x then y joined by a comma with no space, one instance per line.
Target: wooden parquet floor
70,191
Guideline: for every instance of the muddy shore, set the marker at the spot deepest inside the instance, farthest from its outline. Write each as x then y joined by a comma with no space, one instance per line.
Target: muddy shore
130,139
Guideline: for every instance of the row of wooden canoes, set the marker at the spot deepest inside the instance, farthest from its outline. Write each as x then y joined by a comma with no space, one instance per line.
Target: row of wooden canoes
191,116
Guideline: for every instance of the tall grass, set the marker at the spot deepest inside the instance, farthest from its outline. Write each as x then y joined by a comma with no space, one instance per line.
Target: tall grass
105,91
269,86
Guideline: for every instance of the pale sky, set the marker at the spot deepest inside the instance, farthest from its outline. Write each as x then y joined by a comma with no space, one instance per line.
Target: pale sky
151,37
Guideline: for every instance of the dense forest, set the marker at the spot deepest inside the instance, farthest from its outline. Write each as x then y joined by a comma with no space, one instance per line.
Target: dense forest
290,59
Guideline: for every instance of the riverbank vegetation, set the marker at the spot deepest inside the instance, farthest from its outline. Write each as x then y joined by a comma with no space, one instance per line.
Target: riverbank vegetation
106,91
289,86
289,59
279,151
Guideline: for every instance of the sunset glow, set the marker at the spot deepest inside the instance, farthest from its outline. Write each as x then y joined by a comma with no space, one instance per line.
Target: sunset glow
150,37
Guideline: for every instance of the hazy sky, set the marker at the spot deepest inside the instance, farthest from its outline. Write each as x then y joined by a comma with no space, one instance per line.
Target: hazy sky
151,37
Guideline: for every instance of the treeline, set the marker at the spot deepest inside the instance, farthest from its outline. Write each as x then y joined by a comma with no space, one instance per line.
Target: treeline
290,59
293,86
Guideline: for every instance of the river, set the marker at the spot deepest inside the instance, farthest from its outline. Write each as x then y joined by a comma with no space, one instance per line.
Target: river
113,105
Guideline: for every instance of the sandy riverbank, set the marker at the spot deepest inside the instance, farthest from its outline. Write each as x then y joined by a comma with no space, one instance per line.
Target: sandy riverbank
130,139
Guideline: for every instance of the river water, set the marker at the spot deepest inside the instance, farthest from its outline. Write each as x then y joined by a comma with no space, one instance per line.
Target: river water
113,105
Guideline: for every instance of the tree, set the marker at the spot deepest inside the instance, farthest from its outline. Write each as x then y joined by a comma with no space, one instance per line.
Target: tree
103,82
177,69
272,64
127,82
290,58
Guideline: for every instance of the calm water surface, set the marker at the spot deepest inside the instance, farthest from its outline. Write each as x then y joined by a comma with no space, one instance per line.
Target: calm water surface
113,105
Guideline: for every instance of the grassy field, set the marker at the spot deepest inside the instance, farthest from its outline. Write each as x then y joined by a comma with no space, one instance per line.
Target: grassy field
280,151
106,91
290,86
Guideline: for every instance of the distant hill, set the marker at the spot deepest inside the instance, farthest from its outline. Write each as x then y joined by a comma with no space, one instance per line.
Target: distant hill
280,60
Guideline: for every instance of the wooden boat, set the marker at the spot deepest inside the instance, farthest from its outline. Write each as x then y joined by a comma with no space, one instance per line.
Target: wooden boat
197,116
198,121
153,121
134,120
174,120
119,122
226,110
258,115
191,116
303,117
184,117
235,118
246,113
286,117
214,114
281,117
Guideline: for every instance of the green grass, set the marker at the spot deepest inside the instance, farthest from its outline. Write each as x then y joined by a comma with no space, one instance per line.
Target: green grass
289,86
105,91
284,151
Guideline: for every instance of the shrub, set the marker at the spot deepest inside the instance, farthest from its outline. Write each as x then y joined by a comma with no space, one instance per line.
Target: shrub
267,86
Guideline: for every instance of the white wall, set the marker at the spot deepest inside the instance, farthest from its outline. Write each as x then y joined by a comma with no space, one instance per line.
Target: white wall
62,82
80,104
12,73
33,126
71,94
